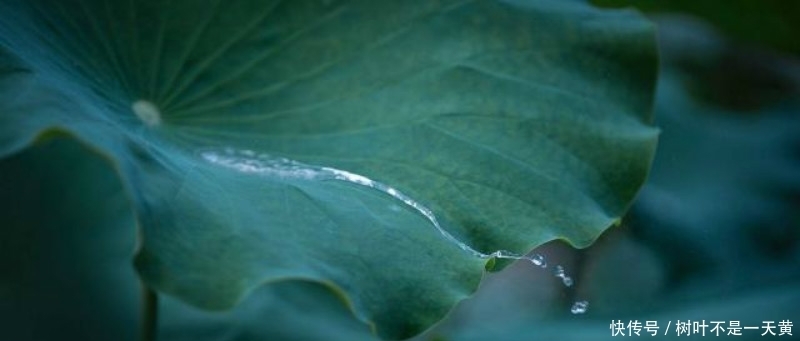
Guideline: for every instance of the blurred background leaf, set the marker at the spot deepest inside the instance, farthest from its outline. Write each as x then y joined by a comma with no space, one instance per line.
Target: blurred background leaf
771,24
66,247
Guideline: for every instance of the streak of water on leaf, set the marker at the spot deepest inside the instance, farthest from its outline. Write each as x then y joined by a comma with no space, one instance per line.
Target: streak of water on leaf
250,162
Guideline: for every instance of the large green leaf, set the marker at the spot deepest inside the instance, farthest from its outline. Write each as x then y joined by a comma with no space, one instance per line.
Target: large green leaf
513,123
715,235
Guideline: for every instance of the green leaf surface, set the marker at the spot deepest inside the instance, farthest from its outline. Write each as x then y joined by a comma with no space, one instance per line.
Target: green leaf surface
514,123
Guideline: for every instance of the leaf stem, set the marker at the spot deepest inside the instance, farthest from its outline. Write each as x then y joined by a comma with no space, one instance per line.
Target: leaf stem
149,314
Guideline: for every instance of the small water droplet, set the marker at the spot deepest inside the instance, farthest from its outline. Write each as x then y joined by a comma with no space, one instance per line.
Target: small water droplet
505,254
538,260
579,307
560,273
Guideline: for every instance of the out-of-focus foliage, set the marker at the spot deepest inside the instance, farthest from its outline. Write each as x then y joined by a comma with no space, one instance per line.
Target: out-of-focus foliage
772,24
65,272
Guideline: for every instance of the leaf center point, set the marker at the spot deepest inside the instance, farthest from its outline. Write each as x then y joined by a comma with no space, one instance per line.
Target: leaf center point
147,112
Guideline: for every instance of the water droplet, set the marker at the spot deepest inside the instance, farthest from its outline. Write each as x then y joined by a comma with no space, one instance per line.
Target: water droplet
509,254
579,307
538,260
559,271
